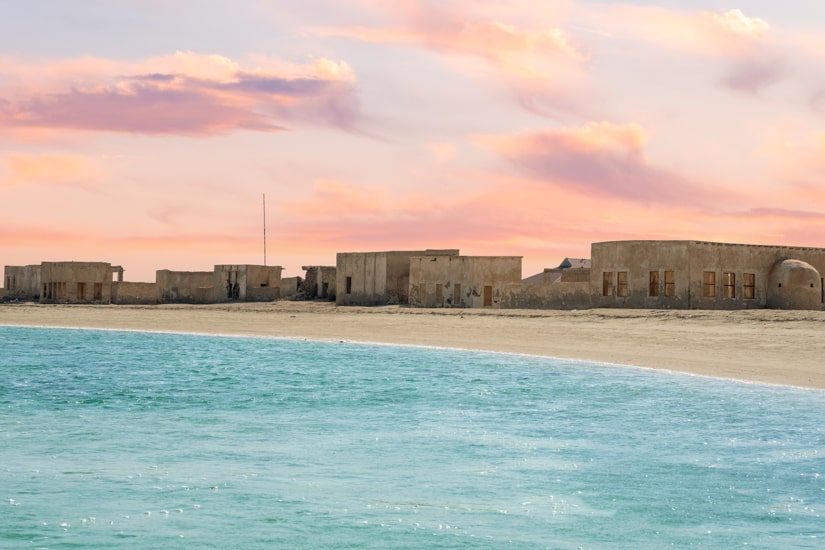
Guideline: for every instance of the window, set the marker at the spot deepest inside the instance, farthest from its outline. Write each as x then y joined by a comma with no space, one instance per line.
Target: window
729,282
98,290
607,283
748,286
349,285
439,294
670,284
457,295
81,291
654,284
709,284
621,284
488,296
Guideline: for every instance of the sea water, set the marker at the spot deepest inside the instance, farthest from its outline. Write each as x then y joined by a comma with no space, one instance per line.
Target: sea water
143,440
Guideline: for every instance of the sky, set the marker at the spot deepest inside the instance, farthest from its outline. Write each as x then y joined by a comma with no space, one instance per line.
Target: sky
146,133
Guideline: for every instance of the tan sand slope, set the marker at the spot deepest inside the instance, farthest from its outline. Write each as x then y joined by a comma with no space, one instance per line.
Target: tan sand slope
780,347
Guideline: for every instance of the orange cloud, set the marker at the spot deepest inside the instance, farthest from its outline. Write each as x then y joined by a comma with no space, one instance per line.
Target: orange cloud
184,94
20,169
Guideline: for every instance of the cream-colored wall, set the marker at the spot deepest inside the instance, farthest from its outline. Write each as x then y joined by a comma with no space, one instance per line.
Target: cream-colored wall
689,260
22,282
472,273
60,282
557,295
184,286
134,293
377,278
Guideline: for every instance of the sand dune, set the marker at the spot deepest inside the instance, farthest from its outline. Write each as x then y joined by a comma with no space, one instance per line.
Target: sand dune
780,347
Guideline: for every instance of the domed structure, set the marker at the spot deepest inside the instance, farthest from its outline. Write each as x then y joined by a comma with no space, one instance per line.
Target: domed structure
794,284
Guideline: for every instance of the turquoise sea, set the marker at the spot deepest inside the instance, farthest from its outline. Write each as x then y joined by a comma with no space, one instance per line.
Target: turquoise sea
144,440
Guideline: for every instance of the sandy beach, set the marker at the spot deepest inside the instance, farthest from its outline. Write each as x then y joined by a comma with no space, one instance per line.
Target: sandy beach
778,347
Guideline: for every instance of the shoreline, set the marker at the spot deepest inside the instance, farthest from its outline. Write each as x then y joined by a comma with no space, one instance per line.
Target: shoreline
776,347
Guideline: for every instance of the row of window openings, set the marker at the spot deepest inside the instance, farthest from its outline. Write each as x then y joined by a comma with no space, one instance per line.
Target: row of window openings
708,284
57,291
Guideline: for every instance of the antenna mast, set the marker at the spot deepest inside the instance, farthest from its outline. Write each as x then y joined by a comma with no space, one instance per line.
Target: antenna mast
264,229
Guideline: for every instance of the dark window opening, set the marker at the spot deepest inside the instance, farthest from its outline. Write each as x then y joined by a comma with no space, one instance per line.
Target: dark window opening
654,284
349,285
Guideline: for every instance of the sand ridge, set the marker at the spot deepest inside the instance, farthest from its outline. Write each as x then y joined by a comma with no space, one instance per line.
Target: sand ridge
778,347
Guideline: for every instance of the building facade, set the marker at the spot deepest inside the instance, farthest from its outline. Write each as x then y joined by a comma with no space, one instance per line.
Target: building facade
75,282
461,281
376,278
22,282
706,275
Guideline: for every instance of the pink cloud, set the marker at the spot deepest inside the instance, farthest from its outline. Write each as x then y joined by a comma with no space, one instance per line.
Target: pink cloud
600,159
542,66
184,94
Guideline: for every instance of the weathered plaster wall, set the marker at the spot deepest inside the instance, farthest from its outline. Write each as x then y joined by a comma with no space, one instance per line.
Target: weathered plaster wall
235,282
546,296
368,274
320,282
460,281
75,282
289,287
22,282
185,286
690,260
263,293
794,284
638,259
134,293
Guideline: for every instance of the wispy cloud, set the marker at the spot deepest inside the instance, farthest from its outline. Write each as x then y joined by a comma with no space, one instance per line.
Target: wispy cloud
25,169
183,94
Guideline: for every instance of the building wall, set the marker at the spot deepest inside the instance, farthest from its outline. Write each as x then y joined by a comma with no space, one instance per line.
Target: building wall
134,293
461,281
236,282
705,275
559,295
187,287
22,282
75,282
289,287
319,282
377,278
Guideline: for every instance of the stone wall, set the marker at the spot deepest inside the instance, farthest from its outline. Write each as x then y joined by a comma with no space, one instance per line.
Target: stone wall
134,293
461,281
75,282
185,287
558,295
22,282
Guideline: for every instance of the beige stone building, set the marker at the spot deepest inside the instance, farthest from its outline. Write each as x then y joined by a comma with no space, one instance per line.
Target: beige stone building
706,275
75,282
462,281
376,278
247,283
319,282
22,282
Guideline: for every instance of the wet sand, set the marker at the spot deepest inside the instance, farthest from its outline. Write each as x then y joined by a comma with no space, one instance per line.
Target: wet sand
779,347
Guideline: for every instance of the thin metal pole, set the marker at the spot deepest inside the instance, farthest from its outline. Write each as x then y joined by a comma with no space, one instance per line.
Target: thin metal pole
264,229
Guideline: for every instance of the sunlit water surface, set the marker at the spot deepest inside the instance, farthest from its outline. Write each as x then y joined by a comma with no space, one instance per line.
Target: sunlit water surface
126,439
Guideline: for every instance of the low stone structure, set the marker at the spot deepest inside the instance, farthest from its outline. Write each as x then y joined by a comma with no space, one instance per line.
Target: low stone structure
247,283
376,278
706,275
128,293
184,287
319,282
22,282
461,281
75,282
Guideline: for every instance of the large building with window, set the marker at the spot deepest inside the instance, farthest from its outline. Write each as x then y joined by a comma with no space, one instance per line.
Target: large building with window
706,275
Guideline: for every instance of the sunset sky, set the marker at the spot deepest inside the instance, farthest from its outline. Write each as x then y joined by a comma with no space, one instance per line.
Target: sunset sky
144,133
